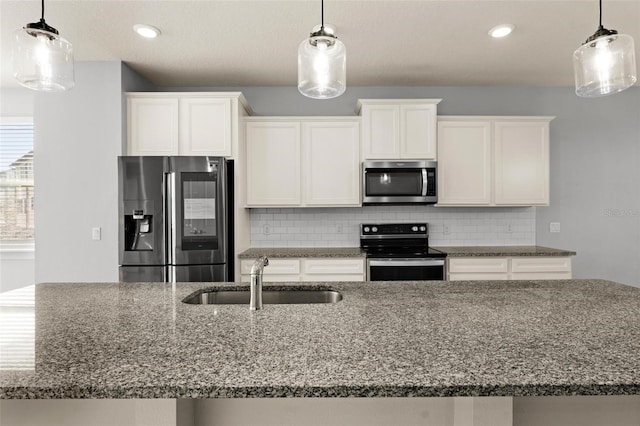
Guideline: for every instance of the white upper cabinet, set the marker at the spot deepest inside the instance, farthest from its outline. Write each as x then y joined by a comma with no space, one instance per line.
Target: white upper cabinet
493,161
153,126
273,163
170,123
205,126
331,163
398,129
303,162
464,165
521,162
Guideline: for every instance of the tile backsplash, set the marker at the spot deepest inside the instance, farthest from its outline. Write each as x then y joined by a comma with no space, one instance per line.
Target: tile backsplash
340,227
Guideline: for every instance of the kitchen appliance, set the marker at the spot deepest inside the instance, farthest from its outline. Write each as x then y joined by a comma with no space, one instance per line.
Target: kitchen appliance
400,251
175,219
399,182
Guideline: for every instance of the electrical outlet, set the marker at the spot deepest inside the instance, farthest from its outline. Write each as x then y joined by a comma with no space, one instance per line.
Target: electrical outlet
446,230
96,234
554,226
509,228
266,229
339,229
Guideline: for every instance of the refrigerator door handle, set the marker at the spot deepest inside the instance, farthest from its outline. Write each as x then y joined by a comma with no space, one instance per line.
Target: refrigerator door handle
171,223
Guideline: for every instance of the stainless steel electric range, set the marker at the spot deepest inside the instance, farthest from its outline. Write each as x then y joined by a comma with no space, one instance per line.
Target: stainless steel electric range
400,252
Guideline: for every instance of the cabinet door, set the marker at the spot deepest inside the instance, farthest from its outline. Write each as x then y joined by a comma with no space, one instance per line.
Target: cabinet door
418,131
153,126
464,163
521,163
205,126
381,132
273,163
331,163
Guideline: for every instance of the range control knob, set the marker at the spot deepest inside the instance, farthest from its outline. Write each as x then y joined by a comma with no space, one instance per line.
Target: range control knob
366,229
414,229
374,229
423,228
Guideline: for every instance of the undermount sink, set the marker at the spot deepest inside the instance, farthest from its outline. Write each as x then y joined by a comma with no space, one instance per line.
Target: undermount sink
269,296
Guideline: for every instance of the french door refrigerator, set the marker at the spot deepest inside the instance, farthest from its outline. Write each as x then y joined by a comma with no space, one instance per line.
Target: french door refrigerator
174,219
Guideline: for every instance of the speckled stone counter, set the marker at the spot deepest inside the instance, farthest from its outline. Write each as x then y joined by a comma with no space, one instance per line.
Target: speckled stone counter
483,338
470,251
294,252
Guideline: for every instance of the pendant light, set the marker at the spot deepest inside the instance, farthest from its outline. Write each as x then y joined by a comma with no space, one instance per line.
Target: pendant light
322,64
42,60
605,64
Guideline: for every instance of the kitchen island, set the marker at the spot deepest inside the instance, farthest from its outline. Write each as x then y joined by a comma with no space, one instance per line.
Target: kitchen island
384,339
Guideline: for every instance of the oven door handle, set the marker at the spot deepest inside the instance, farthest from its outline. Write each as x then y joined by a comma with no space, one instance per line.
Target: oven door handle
406,262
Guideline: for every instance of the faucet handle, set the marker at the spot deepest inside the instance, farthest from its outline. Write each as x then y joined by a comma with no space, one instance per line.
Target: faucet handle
259,264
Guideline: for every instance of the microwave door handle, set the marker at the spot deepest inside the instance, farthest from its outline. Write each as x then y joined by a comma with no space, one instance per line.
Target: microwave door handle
425,182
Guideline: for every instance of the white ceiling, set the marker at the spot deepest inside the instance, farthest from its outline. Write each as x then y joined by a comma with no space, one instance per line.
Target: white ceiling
389,42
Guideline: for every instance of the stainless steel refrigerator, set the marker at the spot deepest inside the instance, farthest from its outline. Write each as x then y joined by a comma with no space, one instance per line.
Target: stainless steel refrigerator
175,219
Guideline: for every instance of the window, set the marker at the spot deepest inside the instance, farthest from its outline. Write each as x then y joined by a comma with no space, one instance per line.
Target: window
16,180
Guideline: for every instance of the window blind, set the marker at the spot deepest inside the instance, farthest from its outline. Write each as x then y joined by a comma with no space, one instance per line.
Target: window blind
16,181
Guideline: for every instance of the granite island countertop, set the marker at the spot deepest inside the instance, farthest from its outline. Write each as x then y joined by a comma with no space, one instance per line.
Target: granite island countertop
429,338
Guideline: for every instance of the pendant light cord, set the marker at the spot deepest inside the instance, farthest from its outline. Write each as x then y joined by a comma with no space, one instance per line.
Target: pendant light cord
321,14
42,17
600,13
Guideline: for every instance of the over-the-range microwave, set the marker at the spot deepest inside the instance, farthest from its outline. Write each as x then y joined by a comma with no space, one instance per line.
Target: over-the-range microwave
399,182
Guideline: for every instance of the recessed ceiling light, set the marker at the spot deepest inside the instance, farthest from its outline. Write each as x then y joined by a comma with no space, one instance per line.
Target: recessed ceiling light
146,31
500,31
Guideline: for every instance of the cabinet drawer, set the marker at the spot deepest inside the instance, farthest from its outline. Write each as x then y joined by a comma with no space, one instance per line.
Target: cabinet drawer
541,276
540,264
275,267
273,278
474,276
333,266
333,277
476,265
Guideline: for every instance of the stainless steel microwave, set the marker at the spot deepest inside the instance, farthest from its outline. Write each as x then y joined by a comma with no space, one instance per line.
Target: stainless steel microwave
399,182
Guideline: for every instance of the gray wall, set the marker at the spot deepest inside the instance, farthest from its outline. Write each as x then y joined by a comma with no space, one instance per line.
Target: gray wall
79,134
594,165
595,156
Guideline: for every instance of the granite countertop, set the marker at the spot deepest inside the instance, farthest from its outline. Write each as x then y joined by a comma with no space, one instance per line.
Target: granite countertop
429,338
470,251
451,251
291,252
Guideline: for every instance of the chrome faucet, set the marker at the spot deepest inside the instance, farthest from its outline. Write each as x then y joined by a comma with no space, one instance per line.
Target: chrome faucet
255,303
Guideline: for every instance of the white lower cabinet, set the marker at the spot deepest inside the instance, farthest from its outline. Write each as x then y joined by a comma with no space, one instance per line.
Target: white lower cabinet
478,268
540,268
332,270
307,269
508,268
278,270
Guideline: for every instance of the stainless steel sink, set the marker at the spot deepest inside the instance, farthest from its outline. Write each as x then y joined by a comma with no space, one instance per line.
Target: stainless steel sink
280,296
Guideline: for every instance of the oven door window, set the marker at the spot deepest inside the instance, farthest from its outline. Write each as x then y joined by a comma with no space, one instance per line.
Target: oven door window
385,182
409,270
